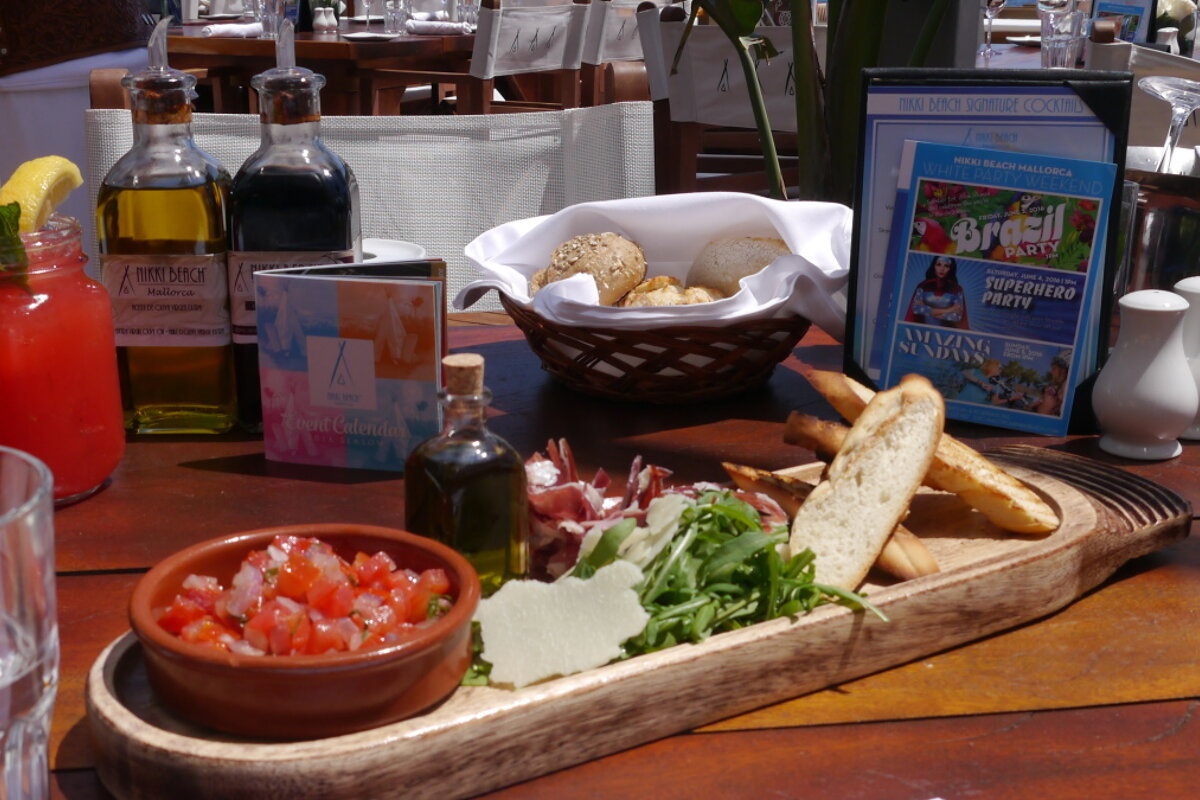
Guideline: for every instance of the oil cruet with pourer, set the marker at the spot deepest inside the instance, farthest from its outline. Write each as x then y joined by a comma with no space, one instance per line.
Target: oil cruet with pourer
465,487
294,203
160,220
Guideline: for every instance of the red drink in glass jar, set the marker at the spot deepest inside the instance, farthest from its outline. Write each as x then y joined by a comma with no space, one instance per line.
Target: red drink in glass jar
59,395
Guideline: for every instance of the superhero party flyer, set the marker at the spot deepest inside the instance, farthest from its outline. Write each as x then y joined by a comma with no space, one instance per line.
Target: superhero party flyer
994,277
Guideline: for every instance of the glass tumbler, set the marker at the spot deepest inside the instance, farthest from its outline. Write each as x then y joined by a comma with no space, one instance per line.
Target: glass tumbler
28,623
395,14
1063,34
269,13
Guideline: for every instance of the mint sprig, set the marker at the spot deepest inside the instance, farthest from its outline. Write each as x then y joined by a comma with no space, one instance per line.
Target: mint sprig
14,263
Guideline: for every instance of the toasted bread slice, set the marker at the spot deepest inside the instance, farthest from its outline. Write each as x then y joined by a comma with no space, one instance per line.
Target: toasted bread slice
849,515
957,467
823,437
904,555
789,492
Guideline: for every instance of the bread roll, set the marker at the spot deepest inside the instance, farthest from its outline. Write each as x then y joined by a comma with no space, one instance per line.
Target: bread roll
615,264
663,290
724,262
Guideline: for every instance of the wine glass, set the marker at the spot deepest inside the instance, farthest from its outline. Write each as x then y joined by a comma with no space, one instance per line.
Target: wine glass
990,9
1184,97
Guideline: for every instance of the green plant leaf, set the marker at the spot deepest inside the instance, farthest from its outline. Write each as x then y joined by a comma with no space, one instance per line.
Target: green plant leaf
855,47
812,138
14,263
924,43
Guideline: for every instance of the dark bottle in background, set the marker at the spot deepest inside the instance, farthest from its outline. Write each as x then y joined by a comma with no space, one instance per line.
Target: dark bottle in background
293,203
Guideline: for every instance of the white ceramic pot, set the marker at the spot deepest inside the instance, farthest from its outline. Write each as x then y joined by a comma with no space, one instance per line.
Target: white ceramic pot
1145,396
1189,289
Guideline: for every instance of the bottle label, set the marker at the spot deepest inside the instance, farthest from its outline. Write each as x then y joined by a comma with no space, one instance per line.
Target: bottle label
242,266
167,301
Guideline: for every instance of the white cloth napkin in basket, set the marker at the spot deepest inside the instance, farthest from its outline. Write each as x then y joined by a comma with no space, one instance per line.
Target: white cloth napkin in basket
672,229
233,30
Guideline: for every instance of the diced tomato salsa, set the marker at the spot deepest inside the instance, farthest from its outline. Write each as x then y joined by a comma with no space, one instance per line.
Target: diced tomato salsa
299,597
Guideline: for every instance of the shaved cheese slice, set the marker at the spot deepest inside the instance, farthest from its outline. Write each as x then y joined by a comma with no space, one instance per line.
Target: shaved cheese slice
644,543
662,521
533,630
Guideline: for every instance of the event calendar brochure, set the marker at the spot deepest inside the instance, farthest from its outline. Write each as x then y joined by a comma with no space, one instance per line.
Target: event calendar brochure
350,361
994,279
1080,114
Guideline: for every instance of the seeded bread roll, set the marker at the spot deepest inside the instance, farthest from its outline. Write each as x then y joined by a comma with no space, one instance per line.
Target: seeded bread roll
723,262
615,264
663,290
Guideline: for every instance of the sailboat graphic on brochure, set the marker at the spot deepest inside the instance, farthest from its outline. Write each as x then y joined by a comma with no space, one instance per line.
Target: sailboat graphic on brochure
288,335
391,338
294,436
395,446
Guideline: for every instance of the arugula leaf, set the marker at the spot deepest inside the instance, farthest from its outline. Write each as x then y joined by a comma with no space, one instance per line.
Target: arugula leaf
605,551
477,674
723,572
14,263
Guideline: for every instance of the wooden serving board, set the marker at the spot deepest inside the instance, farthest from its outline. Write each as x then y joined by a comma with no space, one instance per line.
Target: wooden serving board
483,738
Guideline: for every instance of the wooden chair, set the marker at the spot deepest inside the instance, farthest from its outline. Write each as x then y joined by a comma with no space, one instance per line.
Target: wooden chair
532,48
226,84
613,68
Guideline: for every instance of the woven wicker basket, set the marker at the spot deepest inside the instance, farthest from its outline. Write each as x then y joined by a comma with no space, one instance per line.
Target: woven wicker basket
663,365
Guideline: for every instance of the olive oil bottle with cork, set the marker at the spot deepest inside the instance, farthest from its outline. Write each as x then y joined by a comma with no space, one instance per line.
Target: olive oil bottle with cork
465,487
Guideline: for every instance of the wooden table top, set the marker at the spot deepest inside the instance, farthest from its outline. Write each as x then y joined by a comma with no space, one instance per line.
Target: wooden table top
189,40
1095,701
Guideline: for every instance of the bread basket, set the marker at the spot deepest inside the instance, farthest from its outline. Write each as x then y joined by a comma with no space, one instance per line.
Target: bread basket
680,354
662,365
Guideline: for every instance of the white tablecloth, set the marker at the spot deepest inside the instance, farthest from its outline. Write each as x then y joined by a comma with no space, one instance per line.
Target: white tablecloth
41,113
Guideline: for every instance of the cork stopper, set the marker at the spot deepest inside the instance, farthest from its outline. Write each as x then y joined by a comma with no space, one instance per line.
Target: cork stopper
464,373
1104,31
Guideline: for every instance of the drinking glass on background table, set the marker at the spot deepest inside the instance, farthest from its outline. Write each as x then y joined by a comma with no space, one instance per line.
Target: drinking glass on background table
269,13
1063,33
395,15
468,12
28,623
990,9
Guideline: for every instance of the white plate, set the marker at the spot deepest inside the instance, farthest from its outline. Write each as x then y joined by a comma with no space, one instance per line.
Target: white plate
366,18
391,250
1028,41
364,36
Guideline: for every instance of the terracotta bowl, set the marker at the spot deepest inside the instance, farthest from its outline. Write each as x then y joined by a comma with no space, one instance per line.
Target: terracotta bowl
299,697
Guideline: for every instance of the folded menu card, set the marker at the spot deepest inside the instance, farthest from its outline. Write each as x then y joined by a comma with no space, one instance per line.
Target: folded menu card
350,361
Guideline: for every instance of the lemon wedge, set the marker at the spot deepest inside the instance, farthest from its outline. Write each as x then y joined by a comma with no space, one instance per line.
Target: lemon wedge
39,186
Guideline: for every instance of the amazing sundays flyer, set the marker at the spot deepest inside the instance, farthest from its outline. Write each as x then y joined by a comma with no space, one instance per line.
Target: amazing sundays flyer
994,280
